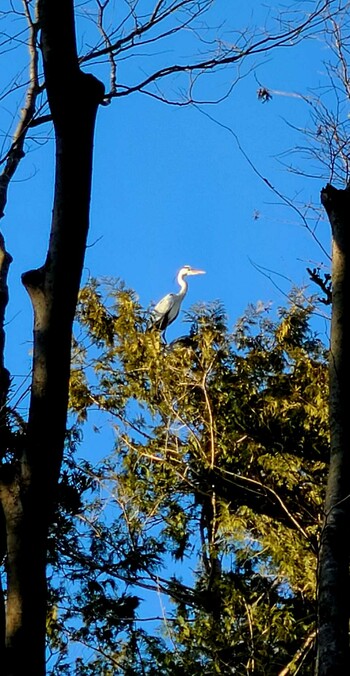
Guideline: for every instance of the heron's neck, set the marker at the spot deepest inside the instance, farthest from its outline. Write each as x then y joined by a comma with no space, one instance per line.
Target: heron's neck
183,285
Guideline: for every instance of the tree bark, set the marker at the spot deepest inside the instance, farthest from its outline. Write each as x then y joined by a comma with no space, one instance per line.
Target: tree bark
5,261
333,582
29,493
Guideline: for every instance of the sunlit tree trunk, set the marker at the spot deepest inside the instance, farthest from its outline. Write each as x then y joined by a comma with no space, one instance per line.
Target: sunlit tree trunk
333,582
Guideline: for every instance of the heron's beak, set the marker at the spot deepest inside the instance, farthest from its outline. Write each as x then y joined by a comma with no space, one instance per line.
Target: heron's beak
196,272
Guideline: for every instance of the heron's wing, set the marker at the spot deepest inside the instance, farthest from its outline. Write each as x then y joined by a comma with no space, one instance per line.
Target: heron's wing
164,312
164,305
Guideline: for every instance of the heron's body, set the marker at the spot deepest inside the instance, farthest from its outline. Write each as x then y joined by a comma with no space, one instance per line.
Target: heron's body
168,308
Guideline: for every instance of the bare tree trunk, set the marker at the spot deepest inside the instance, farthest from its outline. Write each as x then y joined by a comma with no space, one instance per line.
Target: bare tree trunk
5,261
333,583
29,491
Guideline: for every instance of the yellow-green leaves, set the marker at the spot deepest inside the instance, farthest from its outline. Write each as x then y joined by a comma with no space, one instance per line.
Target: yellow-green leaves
218,472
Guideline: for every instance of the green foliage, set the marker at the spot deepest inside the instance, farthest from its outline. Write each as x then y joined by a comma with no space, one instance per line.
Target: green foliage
211,499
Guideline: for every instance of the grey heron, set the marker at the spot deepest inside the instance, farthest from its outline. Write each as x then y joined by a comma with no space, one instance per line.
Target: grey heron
168,308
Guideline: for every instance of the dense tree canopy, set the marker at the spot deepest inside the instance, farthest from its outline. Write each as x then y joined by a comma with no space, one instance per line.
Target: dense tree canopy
210,502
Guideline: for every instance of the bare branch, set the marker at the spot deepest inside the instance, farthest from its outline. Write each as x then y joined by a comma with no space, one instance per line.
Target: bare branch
193,8
289,202
269,491
16,152
113,67
299,656
227,54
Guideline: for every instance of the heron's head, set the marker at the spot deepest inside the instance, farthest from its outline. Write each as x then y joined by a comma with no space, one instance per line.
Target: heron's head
187,270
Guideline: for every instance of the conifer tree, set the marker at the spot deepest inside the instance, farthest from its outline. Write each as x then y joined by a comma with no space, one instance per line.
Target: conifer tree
212,497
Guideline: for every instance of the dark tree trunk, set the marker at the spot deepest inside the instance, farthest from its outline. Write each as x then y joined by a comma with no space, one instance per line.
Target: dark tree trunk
28,494
5,261
333,583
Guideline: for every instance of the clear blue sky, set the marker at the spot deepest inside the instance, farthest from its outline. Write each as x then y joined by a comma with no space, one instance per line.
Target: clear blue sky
171,186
